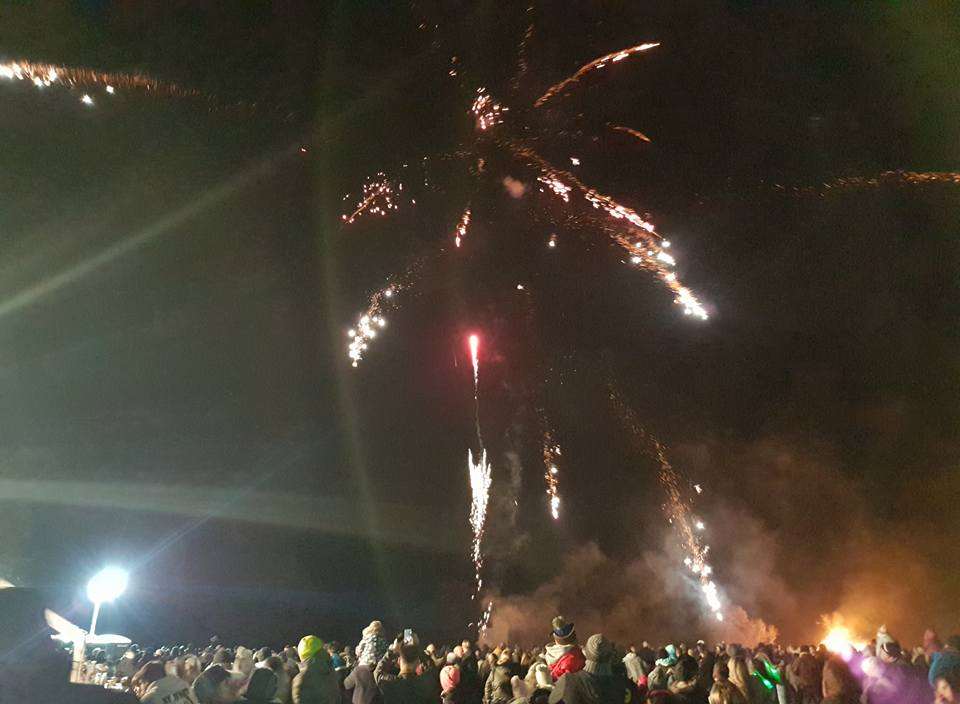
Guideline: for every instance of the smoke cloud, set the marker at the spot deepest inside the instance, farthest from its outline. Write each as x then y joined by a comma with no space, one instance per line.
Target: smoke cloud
515,188
791,539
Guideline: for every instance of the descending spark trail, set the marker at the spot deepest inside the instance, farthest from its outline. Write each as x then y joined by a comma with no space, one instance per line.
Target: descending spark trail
371,321
643,244
551,454
462,227
630,131
377,199
850,183
44,75
677,508
594,65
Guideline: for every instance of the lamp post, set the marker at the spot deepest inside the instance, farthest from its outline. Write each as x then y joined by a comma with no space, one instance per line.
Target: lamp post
106,585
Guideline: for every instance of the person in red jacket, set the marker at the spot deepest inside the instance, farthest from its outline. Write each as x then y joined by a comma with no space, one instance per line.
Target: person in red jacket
563,655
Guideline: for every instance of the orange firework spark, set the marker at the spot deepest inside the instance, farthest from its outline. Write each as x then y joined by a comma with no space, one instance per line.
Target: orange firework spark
462,227
372,320
44,75
893,178
630,131
643,244
677,508
377,199
551,475
594,65
487,112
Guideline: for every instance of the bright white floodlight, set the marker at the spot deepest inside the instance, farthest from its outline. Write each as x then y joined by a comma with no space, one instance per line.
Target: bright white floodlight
106,585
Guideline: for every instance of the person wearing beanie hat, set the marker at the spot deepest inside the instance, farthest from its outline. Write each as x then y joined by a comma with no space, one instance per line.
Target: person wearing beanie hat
317,682
449,684
596,683
373,645
635,667
889,679
947,659
563,655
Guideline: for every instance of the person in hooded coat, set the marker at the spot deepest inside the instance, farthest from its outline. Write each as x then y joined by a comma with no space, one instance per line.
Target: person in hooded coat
803,674
563,655
596,683
363,686
317,682
471,686
262,688
683,682
497,689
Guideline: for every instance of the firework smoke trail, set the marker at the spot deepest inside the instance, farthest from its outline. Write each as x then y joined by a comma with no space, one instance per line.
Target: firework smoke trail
43,75
644,246
677,508
480,481
377,199
594,65
630,131
551,474
474,342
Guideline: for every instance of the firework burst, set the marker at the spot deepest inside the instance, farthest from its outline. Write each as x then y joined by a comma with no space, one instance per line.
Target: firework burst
595,65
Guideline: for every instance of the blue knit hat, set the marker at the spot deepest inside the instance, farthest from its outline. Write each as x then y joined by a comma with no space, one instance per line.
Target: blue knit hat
562,629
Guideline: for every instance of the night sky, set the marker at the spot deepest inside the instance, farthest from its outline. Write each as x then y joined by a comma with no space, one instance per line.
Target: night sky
175,290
